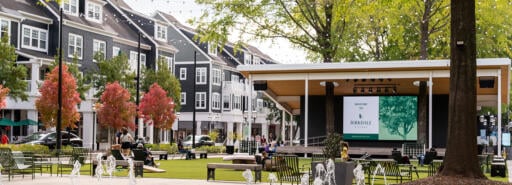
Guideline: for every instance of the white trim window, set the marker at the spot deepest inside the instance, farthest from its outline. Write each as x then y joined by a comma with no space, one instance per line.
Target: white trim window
183,99
201,75
75,45
183,73
161,32
133,60
34,38
142,60
94,12
216,101
70,7
169,61
116,51
99,46
200,100
212,49
237,102
226,101
216,80
5,28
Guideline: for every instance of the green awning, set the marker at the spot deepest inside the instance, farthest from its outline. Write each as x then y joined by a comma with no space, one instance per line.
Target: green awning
6,122
26,122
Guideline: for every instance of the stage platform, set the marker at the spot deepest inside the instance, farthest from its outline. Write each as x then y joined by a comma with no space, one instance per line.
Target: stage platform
353,151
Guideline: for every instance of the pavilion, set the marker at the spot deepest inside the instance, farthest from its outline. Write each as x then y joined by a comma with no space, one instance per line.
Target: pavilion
299,89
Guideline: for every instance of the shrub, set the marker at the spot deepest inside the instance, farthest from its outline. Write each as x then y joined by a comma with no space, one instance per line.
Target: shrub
332,145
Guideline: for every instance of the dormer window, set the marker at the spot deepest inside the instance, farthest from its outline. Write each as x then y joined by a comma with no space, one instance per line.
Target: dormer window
94,12
70,7
212,49
161,32
247,58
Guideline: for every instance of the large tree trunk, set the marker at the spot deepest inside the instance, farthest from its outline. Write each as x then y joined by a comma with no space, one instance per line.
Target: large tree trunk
329,107
461,151
424,31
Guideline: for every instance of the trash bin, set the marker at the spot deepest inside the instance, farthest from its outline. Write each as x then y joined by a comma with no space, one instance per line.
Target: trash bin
230,149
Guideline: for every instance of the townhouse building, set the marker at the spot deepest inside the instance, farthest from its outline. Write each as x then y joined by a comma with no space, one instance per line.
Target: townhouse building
88,27
112,27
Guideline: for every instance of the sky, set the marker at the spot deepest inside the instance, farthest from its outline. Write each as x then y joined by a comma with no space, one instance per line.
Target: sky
280,50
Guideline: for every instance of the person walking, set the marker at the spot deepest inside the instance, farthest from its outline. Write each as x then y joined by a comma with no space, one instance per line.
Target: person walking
126,141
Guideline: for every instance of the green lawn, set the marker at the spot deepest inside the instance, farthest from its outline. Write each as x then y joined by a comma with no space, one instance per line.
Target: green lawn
196,169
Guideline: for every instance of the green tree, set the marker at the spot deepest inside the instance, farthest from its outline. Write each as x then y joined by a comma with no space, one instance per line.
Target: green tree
318,27
111,70
12,75
163,76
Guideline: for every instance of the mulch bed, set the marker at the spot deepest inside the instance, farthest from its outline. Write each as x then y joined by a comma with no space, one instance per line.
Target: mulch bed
444,180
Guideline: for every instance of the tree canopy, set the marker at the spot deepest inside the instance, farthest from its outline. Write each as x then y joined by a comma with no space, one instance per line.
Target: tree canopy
47,104
164,77
156,108
111,70
116,110
12,76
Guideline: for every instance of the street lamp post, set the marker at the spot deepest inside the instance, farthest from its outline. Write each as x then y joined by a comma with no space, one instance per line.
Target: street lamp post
137,86
59,93
194,103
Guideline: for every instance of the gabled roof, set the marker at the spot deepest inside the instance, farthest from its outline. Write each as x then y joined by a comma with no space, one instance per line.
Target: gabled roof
257,52
15,8
161,45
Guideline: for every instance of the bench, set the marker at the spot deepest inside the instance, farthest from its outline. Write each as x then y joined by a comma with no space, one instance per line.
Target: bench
254,167
390,169
287,167
202,154
138,166
161,154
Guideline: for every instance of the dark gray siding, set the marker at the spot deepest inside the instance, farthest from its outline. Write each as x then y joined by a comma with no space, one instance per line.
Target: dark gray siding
188,85
186,49
88,37
14,33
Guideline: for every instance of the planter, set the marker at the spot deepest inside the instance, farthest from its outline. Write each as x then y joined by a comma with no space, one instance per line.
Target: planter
344,172
230,149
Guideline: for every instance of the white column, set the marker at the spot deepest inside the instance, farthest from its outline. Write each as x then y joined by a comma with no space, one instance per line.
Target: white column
283,128
499,112
430,84
249,107
198,127
88,136
291,129
306,111
35,77
140,128
32,115
150,132
239,130
264,130
230,130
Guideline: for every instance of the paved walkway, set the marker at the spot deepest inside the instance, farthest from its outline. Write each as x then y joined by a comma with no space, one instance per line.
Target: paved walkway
46,179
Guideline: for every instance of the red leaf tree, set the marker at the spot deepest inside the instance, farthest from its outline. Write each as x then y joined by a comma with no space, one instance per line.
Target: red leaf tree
47,104
157,109
3,94
116,110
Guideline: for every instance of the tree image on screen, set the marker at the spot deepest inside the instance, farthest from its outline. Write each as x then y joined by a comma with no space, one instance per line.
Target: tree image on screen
397,117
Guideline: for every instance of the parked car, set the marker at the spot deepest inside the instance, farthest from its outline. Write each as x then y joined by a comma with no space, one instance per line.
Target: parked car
200,140
50,139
